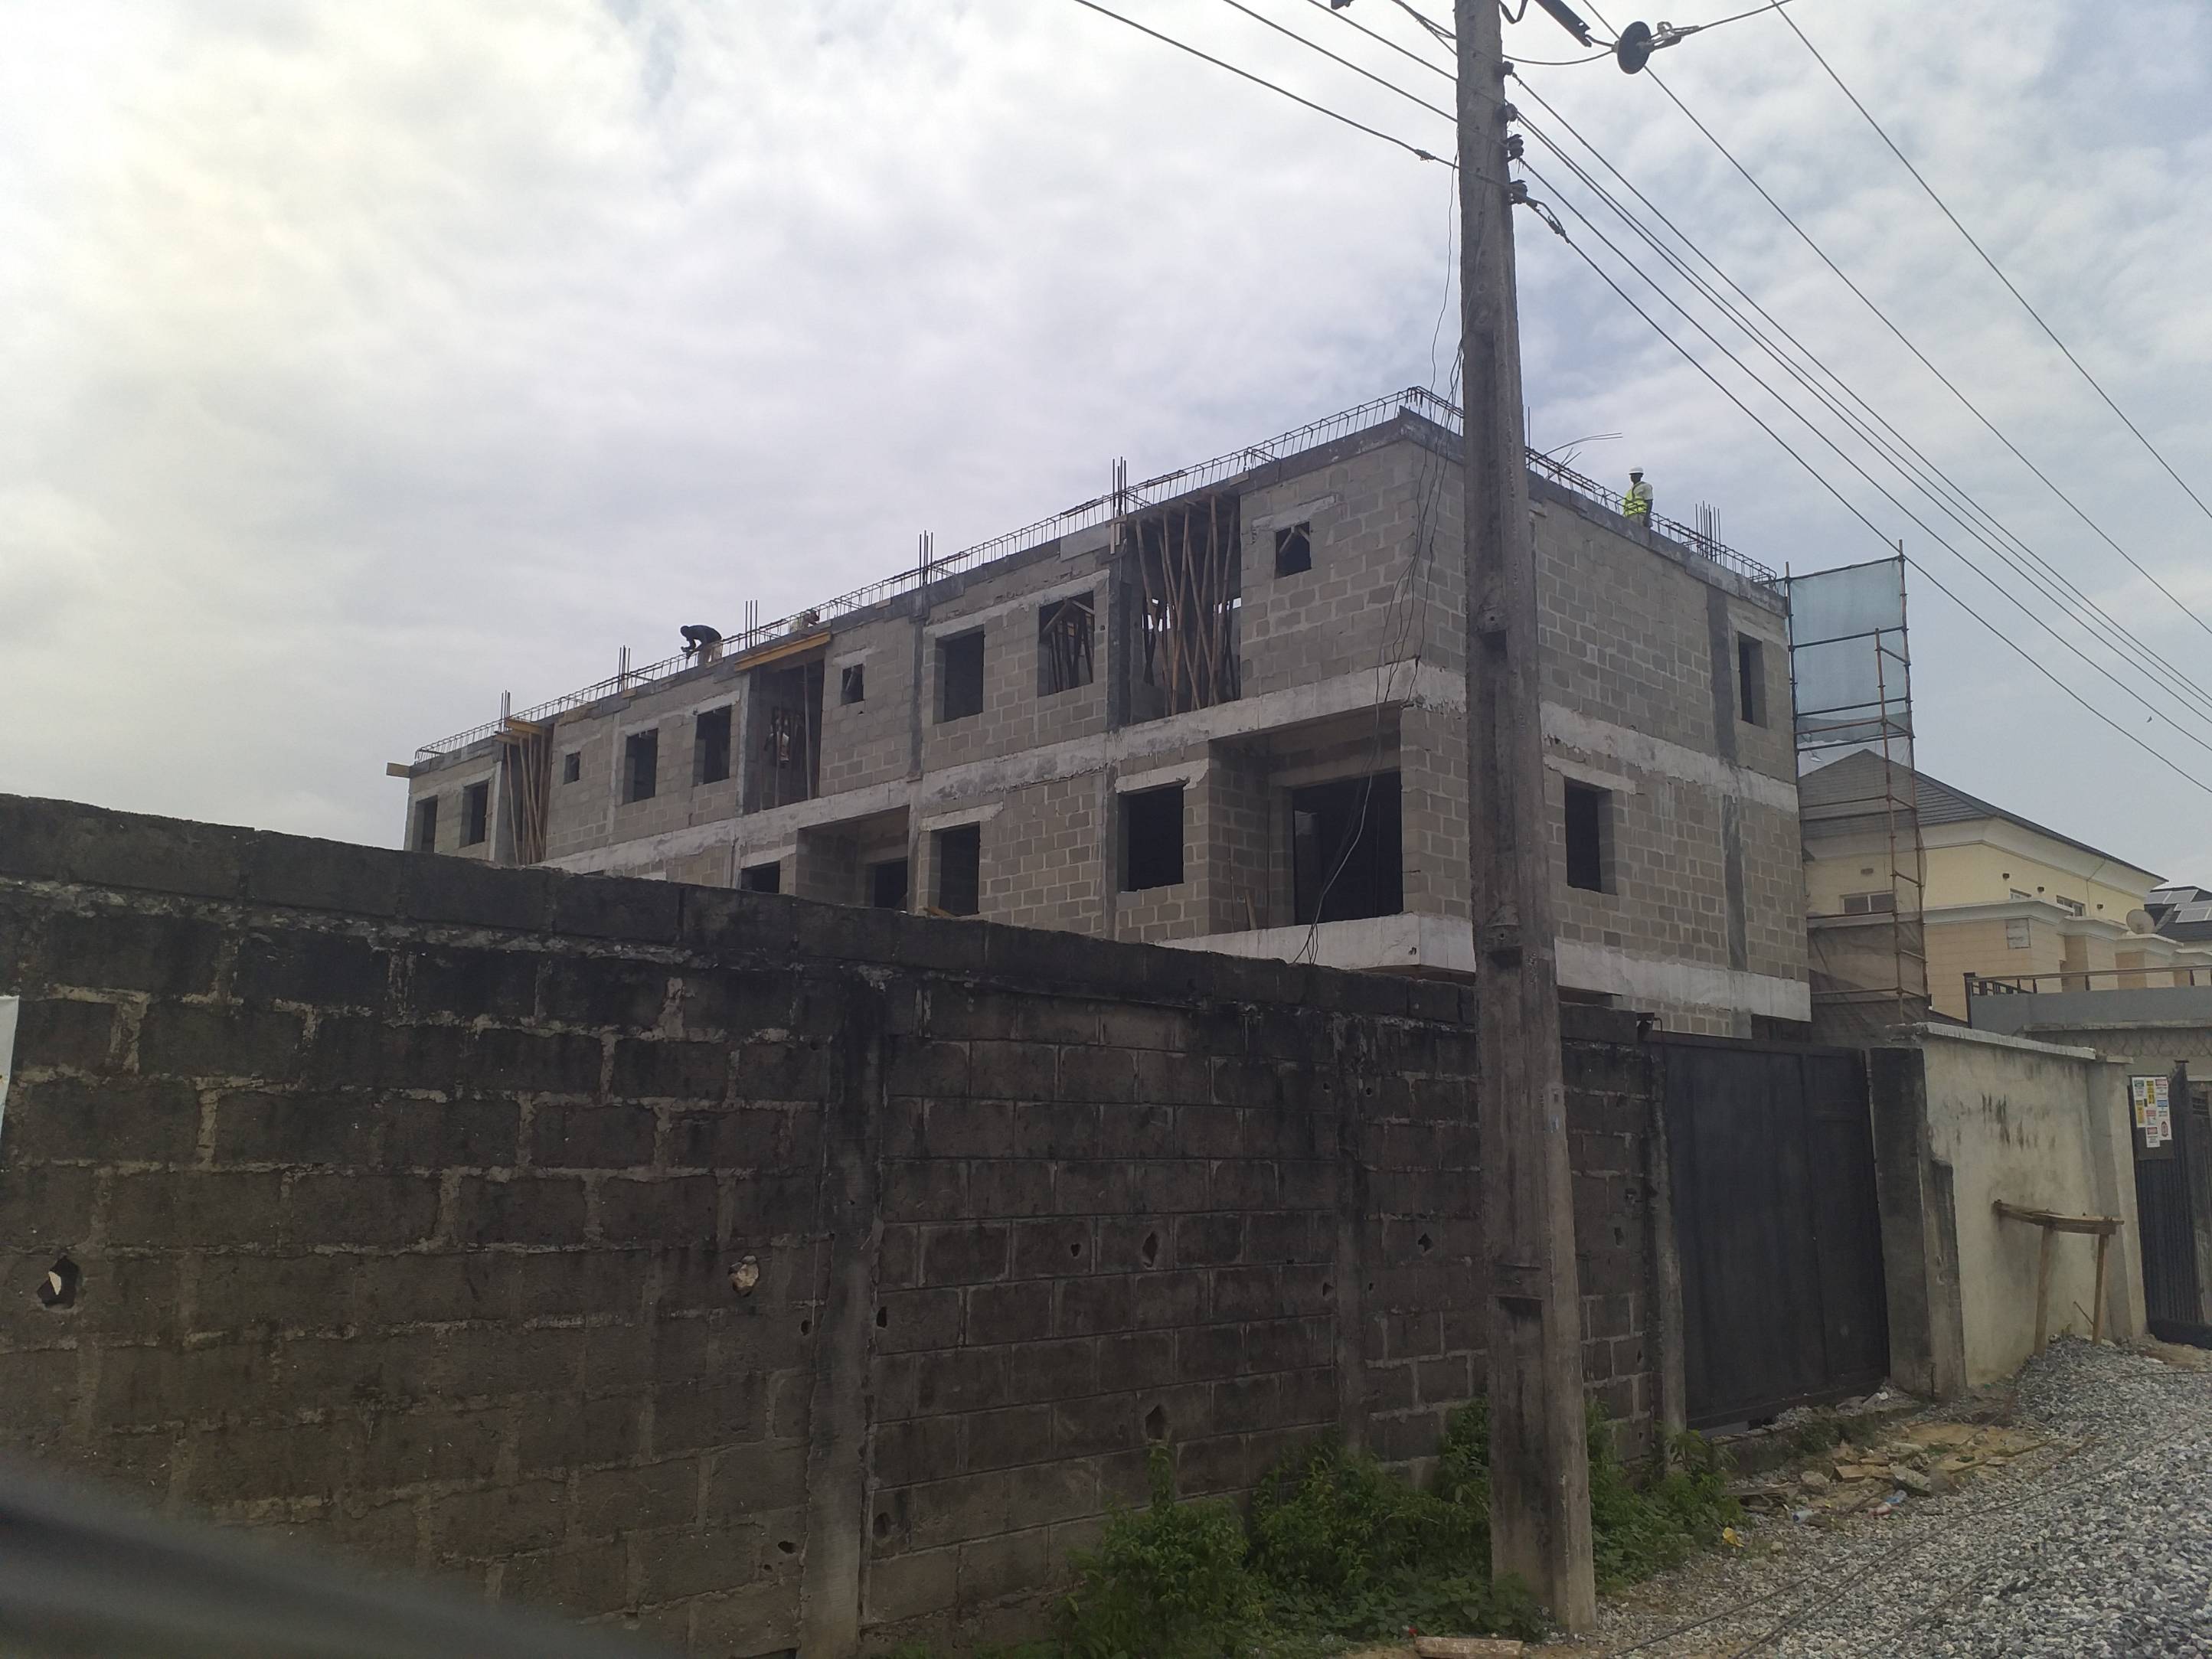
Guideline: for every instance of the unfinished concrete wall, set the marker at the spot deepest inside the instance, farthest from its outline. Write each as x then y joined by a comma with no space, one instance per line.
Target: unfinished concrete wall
1962,1120
1355,660
541,1230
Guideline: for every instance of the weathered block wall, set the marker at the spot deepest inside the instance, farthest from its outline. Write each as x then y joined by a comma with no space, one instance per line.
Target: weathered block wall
755,1271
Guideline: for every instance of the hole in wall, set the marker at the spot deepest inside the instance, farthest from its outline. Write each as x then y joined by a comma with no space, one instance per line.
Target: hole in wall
59,1287
882,1526
806,1327
1075,1248
746,1276
883,1319
1427,1244
1327,1290
1156,1423
786,1546
1152,1250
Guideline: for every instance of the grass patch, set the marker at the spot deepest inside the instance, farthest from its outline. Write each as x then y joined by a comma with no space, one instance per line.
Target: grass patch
1338,1552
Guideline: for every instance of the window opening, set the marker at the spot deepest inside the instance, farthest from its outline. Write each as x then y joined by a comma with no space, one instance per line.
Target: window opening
1294,550
1190,573
572,766
640,765
1347,858
1064,628
426,824
887,884
786,735
1750,680
853,684
1870,904
476,814
2071,907
959,869
960,677
1151,838
762,877
710,747
1590,830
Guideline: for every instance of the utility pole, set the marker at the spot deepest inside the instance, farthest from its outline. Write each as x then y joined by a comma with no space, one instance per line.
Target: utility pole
1540,1525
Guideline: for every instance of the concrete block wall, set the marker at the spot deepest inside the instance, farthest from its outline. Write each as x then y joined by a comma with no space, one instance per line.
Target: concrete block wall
1048,858
1705,919
538,1231
1373,514
1005,605
872,741
1432,771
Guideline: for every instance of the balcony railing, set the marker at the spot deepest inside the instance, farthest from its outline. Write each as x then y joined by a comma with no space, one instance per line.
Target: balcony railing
2086,979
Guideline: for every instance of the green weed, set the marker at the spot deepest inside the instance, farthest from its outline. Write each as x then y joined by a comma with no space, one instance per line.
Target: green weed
1167,1582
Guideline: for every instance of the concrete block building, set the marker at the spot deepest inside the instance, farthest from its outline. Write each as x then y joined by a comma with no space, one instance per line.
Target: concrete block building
1223,709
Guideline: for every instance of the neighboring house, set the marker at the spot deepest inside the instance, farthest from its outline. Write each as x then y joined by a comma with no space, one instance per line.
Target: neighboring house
1226,708
2005,899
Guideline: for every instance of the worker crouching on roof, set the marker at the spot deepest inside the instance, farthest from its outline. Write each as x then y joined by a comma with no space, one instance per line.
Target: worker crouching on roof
1636,505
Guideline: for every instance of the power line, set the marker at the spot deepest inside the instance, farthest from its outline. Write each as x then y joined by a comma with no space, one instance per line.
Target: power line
1756,11
1316,45
2010,597
1811,356
1318,109
1948,384
1902,454
1434,27
1349,21
1558,63
2196,500
1788,450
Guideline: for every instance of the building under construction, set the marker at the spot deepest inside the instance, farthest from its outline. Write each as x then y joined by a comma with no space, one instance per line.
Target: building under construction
1222,708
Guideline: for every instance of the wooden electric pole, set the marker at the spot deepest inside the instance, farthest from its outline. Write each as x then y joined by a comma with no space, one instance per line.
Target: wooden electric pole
1540,1525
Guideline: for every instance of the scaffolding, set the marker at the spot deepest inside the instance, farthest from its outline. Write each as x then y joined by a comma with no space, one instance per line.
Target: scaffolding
1851,668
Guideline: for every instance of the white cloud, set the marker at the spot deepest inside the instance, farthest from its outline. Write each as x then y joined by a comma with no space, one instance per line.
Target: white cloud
363,362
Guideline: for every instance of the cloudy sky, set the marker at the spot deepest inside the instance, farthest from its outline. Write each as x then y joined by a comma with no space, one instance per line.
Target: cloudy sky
357,363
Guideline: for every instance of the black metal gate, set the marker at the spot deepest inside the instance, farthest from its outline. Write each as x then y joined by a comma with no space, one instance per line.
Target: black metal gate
1771,1156
2171,1184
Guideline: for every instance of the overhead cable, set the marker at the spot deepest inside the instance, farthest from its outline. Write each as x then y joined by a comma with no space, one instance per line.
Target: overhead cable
1903,339
1316,45
1349,21
1218,62
1851,507
1902,453
1841,455
2196,497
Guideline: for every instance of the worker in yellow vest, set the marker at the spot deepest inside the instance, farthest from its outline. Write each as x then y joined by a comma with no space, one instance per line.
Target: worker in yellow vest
1636,505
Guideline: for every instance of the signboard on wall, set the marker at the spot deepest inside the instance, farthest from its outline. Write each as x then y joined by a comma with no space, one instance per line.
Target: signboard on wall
2151,1102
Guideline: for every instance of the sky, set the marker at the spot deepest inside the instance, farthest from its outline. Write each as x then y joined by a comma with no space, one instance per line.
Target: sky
358,364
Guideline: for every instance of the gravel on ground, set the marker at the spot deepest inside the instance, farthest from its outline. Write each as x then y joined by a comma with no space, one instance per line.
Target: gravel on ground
2093,1539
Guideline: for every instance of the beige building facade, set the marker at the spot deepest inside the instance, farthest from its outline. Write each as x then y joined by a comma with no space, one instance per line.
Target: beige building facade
2006,899
1224,710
